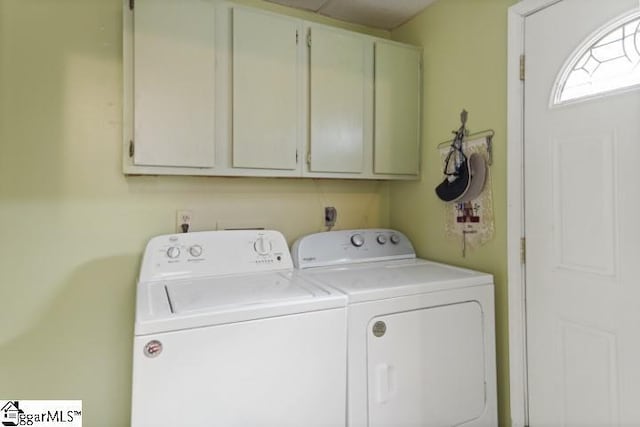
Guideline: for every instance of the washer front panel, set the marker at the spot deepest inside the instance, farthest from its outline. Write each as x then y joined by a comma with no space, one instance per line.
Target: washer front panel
287,371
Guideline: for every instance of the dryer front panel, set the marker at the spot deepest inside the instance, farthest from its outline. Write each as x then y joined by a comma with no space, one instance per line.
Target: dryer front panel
427,366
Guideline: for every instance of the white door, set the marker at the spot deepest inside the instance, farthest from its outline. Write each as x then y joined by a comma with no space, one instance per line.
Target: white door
582,157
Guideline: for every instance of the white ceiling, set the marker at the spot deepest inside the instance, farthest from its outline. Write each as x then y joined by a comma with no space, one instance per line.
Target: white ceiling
385,14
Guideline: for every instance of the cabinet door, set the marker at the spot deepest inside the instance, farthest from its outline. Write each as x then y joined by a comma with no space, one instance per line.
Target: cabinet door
337,98
397,109
265,90
174,70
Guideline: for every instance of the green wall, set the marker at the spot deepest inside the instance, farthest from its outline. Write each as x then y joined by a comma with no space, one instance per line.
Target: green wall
73,228
465,53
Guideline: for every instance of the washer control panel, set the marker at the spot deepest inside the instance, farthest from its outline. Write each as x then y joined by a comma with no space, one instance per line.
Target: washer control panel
212,253
350,246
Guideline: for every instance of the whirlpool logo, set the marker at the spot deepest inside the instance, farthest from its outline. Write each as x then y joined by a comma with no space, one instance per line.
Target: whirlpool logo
41,413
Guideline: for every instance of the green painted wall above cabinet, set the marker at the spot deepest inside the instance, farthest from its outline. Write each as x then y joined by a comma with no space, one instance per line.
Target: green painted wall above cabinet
238,91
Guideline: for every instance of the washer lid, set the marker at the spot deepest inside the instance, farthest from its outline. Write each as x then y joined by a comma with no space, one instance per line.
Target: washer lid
380,280
234,292
190,303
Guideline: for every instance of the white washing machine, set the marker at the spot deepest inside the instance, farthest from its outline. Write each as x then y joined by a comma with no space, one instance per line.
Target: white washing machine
421,339
226,335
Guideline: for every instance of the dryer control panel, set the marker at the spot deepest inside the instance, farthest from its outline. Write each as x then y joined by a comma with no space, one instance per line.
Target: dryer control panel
351,246
214,253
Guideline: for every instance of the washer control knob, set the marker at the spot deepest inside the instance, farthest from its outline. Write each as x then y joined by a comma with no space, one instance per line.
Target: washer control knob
262,246
395,239
357,240
195,251
382,239
173,252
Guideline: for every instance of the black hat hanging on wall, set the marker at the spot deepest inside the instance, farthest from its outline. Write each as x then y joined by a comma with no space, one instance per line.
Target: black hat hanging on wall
456,168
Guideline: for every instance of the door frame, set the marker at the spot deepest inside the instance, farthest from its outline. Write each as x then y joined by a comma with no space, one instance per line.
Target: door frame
516,287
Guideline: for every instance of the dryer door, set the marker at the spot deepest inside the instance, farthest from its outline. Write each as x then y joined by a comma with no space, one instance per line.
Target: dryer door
427,366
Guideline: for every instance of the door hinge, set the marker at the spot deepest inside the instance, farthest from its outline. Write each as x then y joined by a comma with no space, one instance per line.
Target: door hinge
309,158
523,250
132,4
132,148
309,38
296,157
522,68
297,36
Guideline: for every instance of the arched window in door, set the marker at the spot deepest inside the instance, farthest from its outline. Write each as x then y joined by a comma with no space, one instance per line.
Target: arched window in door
608,61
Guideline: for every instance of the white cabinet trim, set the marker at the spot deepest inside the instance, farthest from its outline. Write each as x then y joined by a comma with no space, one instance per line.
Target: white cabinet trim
515,209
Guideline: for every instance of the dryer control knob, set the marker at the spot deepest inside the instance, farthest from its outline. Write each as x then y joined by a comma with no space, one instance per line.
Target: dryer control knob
395,239
381,239
173,252
357,240
262,246
195,251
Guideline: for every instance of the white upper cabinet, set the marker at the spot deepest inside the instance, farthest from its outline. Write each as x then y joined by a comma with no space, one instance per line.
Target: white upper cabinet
212,87
337,89
174,83
265,100
398,99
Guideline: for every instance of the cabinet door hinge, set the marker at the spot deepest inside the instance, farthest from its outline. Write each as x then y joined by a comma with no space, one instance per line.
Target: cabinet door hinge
522,68
297,36
523,250
309,38
296,157
132,4
309,158
132,148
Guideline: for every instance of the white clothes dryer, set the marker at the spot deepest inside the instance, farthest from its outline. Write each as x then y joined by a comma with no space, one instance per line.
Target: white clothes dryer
421,339
227,335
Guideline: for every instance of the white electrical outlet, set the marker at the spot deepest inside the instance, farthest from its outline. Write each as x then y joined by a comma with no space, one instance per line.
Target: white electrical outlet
183,221
330,216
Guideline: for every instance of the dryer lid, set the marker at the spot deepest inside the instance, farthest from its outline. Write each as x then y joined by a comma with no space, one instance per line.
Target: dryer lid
379,280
